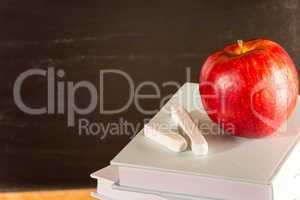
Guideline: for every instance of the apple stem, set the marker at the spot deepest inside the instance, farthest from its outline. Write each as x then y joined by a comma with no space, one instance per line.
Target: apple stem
241,45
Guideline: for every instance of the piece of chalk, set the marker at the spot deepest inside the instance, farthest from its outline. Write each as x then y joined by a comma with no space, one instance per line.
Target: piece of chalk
185,122
165,137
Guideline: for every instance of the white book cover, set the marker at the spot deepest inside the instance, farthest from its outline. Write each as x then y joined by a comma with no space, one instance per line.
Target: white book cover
101,197
107,177
234,169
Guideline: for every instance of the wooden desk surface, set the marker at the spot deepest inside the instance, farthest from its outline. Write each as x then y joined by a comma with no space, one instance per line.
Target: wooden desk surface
76,194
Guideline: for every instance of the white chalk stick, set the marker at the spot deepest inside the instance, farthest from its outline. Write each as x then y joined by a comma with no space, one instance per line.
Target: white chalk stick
165,137
183,119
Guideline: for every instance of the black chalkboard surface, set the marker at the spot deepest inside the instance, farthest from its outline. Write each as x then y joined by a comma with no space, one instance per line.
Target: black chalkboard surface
150,41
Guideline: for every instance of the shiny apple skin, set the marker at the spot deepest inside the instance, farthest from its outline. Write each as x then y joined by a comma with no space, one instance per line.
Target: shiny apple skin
249,90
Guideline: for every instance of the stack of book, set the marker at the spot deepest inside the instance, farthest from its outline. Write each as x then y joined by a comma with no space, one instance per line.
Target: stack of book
234,169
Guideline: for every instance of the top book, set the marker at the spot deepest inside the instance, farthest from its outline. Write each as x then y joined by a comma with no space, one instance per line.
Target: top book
254,161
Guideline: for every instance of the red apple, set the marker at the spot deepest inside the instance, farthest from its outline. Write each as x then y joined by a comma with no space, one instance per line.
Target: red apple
249,88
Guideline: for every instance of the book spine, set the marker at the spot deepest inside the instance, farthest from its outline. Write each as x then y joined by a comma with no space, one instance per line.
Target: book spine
191,185
287,180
